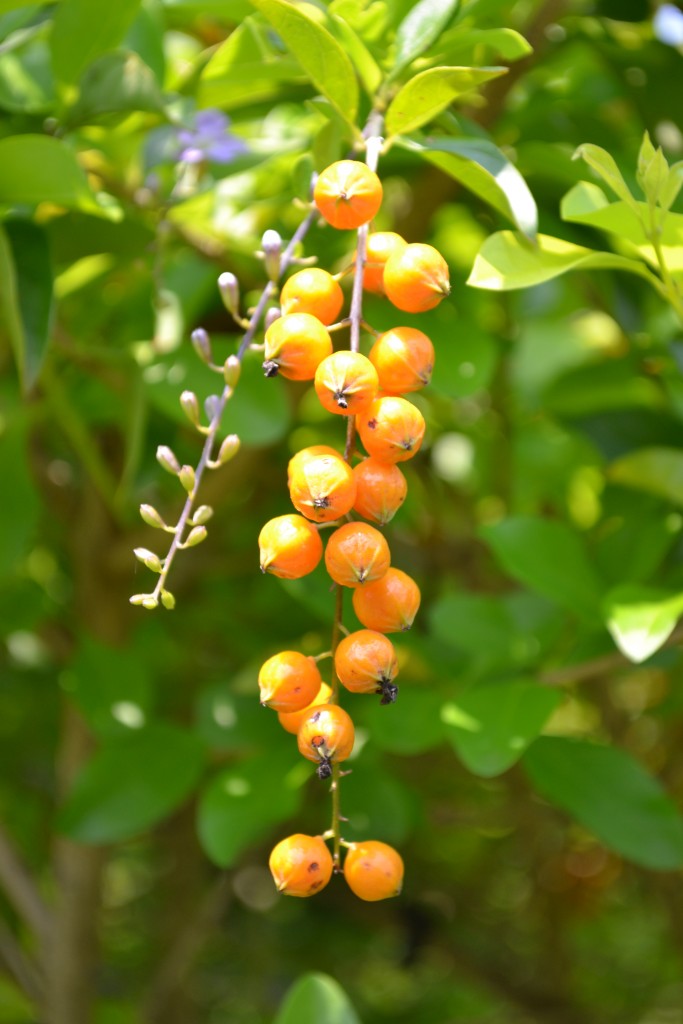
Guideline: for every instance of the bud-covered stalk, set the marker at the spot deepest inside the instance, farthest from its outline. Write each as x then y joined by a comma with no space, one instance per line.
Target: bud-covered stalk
196,535
228,449
202,515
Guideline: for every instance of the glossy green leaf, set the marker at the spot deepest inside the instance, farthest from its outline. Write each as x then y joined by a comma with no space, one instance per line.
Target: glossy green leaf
26,83
419,29
641,619
508,260
588,204
465,45
316,999
410,726
38,168
612,796
604,164
13,5
425,95
549,557
116,83
320,55
483,169
84,30
132,783
365,64
33,285
656,470
111,686
490,726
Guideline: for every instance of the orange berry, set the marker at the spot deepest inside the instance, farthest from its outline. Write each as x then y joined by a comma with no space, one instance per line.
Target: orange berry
373,870
381,489
291,720
290,547
404,360
302,456
380,246
365,662
346,382
301,865
312,291
323,488
356,554
294,346
289,681
388,605
416,278
391,429
348,194
326,735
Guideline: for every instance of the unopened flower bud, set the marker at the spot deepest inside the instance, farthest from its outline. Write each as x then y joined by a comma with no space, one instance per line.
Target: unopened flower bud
167,599
212,406
271,244
137,598
228,449
202,515
228,286
202,345
186,477
149,602
190,406
148,558
152,517
273,314
167,459
231,371
196,535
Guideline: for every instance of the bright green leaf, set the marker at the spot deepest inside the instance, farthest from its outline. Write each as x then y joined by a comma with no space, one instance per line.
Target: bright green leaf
20,505
37,168
612,796
588,204
111,687
656,470
316,999
83,30
423,97
365,64
26,83
34,285
419,29
463,45
116,83
410,726
641,619
605,166
12,5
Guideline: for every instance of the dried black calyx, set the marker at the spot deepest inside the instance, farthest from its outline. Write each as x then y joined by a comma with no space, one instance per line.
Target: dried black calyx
324,769
271,368
388,690
340,399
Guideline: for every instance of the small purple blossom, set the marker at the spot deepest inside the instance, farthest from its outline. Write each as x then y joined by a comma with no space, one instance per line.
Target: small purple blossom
209,139
667,25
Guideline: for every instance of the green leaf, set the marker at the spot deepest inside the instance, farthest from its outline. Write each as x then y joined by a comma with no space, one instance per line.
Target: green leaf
612,796
641,619
240,805
116,83
26,83
672,187
132,783
111,687
419,29
507,260
490,726
656,470
12,5
20,505
423,97
549,557
320,55
83,30
365,64
483,169
605,166
465,45
410,726
33,284
653,170
316,999
588,204
36,169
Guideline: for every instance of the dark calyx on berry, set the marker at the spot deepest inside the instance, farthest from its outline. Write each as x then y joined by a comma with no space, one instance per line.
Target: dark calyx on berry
271,368
388,690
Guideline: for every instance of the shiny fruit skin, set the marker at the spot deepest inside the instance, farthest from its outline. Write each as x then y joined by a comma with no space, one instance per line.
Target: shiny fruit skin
404,360
323,488
301,865
380,246
290,547
313,291
326,735
347,194
295,344
346,383
304,454
391,429
289,681
416,278
365,662
388,605
381,489
373,870
291,721
356,554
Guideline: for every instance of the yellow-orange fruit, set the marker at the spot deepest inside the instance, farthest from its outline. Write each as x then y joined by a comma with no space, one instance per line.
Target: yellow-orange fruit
390,604
365,662
380,246
373,870
290,547
348,194
299,458
416,278
289,681
381,489
323,488
295,344
291,721
325,736
356,554
301,865
404,360
312,291
391,429
346,382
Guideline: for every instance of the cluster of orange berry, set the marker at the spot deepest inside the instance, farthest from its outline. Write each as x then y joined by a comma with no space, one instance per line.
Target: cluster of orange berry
325,488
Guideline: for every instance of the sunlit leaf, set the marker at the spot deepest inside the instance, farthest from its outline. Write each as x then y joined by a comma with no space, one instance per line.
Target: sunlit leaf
641,619
83,30
656,470
316,998
428,93
419,29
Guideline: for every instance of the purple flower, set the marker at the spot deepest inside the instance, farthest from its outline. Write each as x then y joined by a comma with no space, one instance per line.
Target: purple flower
667,25
209,139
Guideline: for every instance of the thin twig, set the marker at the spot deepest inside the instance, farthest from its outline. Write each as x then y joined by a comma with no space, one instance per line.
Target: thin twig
21,890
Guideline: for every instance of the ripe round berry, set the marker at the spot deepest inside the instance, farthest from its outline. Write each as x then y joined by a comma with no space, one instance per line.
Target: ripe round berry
290,547
294,346
380,246
291,720
391,429
388,605
326,735
348,194
346,382
313,291
381,489
416,278
373,870
365,662
323,488
297,460
404,360
289,681
301,865
356,554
